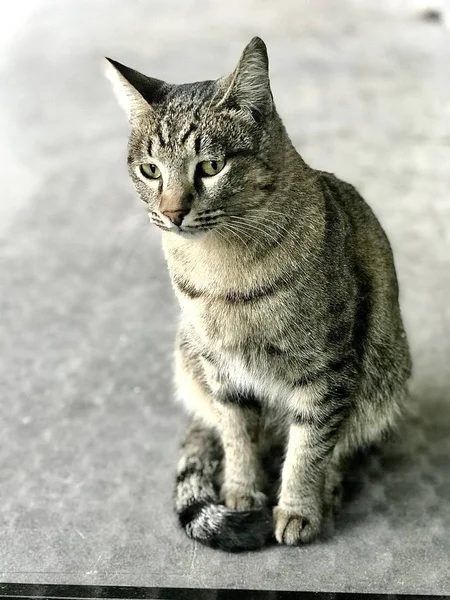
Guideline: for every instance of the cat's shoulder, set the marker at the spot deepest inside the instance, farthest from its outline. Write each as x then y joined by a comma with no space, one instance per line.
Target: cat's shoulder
331,185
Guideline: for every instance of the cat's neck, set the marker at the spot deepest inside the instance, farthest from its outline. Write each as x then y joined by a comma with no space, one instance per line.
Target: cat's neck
214,262
221,260
239,257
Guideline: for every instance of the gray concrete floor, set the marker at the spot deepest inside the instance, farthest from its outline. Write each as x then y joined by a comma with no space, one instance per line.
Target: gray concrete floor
88,426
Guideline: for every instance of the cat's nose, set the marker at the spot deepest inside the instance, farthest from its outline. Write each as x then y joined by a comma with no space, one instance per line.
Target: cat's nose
176,216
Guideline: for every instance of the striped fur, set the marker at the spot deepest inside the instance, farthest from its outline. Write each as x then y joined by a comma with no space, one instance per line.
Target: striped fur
197,498
291,334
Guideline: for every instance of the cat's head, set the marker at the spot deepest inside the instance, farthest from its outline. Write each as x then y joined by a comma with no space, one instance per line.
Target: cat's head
199,153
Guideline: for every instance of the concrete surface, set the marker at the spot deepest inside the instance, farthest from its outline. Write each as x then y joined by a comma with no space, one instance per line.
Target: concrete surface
88,427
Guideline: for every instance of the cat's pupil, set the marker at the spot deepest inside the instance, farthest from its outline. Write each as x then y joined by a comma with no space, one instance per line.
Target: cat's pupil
214,165
152,168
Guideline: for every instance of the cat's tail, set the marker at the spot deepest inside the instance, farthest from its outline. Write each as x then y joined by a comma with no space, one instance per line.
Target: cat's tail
197,502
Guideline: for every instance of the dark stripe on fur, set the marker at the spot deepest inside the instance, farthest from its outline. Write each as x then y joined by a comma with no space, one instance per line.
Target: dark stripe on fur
310,377
206,211
243,399
161,141
233,296
209,356
186,288
334,189
257,293
237,532
302,419
269,187
242,152
187,472
192,228
199,511
337,372
192,127
198,183
190,513
202,218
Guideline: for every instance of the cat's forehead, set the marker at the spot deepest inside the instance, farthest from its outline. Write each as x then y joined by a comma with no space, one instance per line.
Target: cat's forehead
187,122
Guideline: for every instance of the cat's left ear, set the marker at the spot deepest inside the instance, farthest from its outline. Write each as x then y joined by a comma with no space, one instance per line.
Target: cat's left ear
248,87
135,92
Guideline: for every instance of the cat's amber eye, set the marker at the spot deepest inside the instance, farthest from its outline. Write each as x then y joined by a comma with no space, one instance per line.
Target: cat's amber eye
150,171
209,168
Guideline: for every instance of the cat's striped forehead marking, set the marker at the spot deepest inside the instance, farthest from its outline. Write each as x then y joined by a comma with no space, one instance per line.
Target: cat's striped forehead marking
182,116
169,135
188,123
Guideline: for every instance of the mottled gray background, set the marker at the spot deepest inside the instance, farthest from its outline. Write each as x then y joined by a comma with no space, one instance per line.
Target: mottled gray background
89,430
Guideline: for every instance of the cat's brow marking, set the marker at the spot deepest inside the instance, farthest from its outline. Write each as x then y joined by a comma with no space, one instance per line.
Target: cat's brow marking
184,136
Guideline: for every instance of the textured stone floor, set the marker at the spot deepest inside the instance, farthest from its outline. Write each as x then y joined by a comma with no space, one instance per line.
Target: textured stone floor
88,427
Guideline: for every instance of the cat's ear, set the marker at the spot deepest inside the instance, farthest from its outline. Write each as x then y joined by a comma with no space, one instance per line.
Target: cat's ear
248,87
135,92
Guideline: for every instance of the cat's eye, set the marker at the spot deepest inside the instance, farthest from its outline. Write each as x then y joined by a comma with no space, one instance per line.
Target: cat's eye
150,171
209,168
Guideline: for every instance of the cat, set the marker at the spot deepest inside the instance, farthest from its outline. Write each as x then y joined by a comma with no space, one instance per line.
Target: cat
291,333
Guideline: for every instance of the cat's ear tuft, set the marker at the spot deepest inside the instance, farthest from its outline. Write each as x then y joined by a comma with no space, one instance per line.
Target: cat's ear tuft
135,92
248,86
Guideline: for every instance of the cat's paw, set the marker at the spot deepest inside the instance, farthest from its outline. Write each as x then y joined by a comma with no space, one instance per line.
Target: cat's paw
241,499
293,528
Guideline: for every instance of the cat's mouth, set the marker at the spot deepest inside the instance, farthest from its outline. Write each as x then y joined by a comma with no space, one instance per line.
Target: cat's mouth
185,231
197,227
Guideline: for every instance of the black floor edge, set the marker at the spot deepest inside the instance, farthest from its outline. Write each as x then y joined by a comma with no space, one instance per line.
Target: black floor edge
28,590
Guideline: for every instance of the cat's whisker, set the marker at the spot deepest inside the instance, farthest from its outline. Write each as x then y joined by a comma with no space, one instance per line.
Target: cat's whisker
261,242
221,235
206,221
307,220
251,223
155,218
257,215
209,211
233,229
259,229
270,221
244,231
263,210
160,225
255,221
250,228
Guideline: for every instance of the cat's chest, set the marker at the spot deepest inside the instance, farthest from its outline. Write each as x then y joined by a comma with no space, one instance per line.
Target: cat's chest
226,325
250,371
243,342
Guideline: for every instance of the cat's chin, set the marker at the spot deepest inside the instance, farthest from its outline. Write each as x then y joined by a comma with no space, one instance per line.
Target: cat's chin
191,234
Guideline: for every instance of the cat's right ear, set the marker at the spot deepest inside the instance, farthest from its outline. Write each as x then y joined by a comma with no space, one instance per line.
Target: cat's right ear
248,87
135,92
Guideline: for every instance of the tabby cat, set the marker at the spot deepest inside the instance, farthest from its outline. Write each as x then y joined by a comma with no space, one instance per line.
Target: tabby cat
290,334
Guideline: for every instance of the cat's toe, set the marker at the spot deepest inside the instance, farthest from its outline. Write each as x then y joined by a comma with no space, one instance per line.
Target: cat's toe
295,528
243,499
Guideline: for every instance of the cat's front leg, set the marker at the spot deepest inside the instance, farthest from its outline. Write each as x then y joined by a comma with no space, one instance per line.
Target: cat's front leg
315,419
239,425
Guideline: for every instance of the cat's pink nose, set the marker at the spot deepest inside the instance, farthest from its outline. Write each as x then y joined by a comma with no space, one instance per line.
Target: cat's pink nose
176,216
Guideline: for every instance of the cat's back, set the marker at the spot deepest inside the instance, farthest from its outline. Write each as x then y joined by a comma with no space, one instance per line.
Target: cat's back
368,239
373,264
